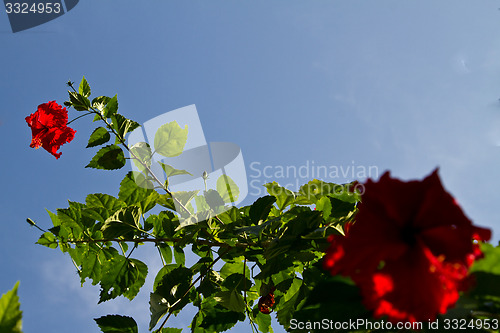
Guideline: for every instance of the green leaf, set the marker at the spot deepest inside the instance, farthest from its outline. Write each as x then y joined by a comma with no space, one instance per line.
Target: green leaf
111,107
84,88
108,158
158,306
184,197
201,203
117,324
171,171
487,287
10,314
284,197
227,189
237,281
288,303
170,139
231,300
335,298
263,322
217,318
79,102
122,276
171,283
170,330
213,200
103,204
125,222
134,188
99,103
54,218
234,267
141,155
91,265
259,211
314,190
122,125
180,257
489,263
98,137
71,220
166,252
341,209
210,284
48,239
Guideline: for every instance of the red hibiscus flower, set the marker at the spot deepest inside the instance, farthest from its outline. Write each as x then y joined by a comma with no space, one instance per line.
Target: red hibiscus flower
409,250
49,127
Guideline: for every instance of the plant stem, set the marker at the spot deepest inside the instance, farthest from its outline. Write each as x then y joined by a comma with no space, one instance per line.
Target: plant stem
83,115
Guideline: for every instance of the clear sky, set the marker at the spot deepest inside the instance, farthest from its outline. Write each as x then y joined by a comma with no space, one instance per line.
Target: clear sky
405,86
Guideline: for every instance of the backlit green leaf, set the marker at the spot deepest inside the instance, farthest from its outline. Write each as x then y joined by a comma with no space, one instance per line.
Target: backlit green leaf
141,155
284,197
180,257
111,107
48,239
99,103
170,139
10,314
231,300
122,276
84,88
79,102
122,125
125,222
227,189
263,321
171,171
135,188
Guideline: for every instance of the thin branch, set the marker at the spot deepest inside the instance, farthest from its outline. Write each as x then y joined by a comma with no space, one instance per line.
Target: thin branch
156,240
83,115
252,324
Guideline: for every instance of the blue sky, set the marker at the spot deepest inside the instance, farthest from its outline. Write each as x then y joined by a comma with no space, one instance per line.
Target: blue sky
402,86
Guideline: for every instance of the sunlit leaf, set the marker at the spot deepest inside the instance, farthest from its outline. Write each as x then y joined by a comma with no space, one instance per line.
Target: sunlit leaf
122,125
171,171
84,88
111,107
122,276
227,189
48,239
284,197
170,139
10,314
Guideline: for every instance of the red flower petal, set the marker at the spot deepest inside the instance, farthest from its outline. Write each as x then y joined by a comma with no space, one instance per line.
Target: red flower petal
409,250
49,127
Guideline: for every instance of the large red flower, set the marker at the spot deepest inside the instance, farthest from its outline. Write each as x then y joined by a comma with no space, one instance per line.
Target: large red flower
49,127
409,250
